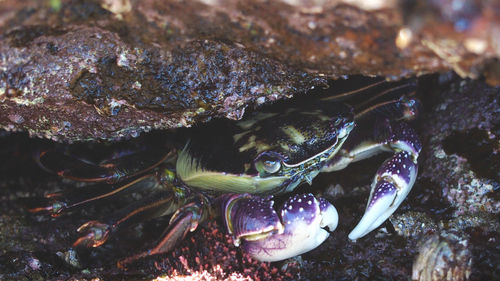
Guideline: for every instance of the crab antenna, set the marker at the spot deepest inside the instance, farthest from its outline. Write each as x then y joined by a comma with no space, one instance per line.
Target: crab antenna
353,92
397,109
383,93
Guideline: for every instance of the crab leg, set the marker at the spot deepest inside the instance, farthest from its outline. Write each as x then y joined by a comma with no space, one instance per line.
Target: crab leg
109,171
394,179
382,87
61,202
189,212
184,220
267,235
161,203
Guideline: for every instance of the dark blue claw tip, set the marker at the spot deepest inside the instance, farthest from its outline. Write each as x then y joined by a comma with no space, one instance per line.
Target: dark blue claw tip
382,189
400,166
405,138
324,204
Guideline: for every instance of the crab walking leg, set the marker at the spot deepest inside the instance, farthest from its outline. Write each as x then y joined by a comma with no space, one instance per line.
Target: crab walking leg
161,203
184,220
110,171
391,185
61,202
269,236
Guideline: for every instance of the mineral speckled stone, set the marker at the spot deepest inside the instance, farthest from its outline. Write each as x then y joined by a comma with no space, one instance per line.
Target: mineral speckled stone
86,70
74,70
109,89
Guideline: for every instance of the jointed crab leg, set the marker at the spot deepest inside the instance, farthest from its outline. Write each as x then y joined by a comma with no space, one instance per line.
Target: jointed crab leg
407,87
185,219
109,171
189,212
403,108
165,198
391,89
76,198
158,204
349,94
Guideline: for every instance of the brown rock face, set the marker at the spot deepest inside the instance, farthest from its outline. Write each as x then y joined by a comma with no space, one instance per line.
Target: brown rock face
118,91
86,70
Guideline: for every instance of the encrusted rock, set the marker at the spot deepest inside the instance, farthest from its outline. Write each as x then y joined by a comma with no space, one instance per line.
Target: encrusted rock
84,70
441,258
463,155
83,83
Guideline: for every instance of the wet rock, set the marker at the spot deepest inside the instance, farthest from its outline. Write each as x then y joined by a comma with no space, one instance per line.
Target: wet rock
456,194
75,70
110,90
464,34
442,259
413,224
87,70
465,118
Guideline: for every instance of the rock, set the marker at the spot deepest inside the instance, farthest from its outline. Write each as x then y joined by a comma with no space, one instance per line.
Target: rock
442,259
73,70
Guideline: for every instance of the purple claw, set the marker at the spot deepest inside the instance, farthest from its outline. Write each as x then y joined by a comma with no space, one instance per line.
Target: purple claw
299,230
403,137
250,217
391,185
302,207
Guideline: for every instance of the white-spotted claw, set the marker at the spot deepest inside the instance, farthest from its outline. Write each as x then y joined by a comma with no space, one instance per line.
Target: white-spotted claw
303,218
391,185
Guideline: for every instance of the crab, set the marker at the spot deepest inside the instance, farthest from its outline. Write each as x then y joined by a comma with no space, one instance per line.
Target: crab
235,170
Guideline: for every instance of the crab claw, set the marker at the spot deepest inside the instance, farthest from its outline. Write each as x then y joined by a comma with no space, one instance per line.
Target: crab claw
267,236
392,183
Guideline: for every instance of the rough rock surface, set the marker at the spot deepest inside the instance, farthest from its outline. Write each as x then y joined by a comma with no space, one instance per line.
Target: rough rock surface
462,225
457,220
75,70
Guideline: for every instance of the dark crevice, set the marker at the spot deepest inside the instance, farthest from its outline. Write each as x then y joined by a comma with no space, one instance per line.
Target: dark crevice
480,148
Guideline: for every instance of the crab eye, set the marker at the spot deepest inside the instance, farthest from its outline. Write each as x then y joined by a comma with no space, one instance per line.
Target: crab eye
271,166
267,165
